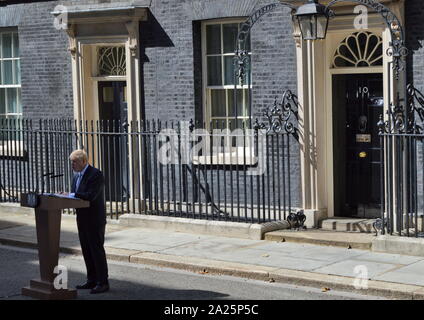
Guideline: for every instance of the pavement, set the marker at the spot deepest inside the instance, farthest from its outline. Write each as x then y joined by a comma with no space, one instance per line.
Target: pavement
277,259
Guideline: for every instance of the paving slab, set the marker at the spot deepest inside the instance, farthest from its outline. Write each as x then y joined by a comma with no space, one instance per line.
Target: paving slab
140,247
388,258
208,248
348,268
282,261
328,254
401,276
287,247
392,274
412,274
149,237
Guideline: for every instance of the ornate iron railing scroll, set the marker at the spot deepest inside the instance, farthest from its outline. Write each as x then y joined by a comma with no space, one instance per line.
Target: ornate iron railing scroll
396,122
282,117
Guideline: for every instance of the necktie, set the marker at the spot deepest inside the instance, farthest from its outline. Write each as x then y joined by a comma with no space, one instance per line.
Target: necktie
78,181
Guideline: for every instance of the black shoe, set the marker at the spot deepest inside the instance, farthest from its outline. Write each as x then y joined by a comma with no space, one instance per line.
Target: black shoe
100,288
87,285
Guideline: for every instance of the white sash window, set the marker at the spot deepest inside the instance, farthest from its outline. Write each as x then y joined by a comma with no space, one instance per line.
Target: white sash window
10,76
218,48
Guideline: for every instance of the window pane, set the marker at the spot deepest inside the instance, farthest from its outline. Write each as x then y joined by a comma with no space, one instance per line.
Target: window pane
246,110
230,32
213,39
218,123
218,103
2,101
229,69
240,103
7,45
17,65
214,71
12,100
15,45
8,72
108,94
237,125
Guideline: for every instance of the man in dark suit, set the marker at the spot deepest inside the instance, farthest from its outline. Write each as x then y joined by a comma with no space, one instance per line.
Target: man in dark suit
88,184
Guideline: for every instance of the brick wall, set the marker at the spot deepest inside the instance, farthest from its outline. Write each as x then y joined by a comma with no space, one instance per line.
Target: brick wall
45,62
171,49
414,13
171,59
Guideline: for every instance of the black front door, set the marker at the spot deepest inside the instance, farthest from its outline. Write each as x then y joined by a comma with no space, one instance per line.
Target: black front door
357,106
114,151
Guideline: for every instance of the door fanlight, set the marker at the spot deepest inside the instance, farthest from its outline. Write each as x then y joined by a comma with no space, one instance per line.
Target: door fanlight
361,49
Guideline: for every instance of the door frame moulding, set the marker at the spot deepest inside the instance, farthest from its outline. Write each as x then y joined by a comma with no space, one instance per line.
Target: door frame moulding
125,31
94,25
314,73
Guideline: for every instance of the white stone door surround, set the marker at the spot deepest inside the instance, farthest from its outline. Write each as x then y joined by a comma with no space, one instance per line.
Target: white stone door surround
315,72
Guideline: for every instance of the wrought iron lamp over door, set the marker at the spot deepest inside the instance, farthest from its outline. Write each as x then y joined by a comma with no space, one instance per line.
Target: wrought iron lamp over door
313,20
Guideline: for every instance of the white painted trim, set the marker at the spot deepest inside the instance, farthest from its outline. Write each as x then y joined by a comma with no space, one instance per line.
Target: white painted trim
332,43
356,70
110,78
315,75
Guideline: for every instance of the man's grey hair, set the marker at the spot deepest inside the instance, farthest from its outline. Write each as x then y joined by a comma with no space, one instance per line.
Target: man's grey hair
79,155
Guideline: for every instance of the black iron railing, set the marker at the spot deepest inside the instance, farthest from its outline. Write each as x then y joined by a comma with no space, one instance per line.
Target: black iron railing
402,168
402,184
159,168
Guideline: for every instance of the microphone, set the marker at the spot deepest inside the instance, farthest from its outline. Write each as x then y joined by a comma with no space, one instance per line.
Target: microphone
48,174
57,176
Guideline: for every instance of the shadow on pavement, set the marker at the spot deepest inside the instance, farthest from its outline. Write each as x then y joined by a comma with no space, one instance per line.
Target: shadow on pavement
19,266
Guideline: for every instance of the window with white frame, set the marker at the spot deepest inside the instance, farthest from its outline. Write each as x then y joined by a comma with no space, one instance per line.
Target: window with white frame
10,76
218,46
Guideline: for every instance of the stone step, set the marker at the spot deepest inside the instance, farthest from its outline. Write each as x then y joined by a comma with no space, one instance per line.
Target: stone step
348,225
351,240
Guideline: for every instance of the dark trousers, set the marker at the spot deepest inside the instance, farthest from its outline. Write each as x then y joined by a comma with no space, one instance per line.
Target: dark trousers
92,237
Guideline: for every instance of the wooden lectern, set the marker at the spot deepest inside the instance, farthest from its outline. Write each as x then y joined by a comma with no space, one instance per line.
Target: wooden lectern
48,216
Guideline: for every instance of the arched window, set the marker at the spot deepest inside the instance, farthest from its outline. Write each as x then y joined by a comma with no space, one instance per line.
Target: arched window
111,61
361,49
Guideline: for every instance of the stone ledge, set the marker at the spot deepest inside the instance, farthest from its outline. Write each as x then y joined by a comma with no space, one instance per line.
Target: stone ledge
399,245
390,290
204,266
209,227
324,238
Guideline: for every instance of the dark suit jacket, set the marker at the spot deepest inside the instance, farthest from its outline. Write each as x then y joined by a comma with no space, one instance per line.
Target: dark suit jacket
91,188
